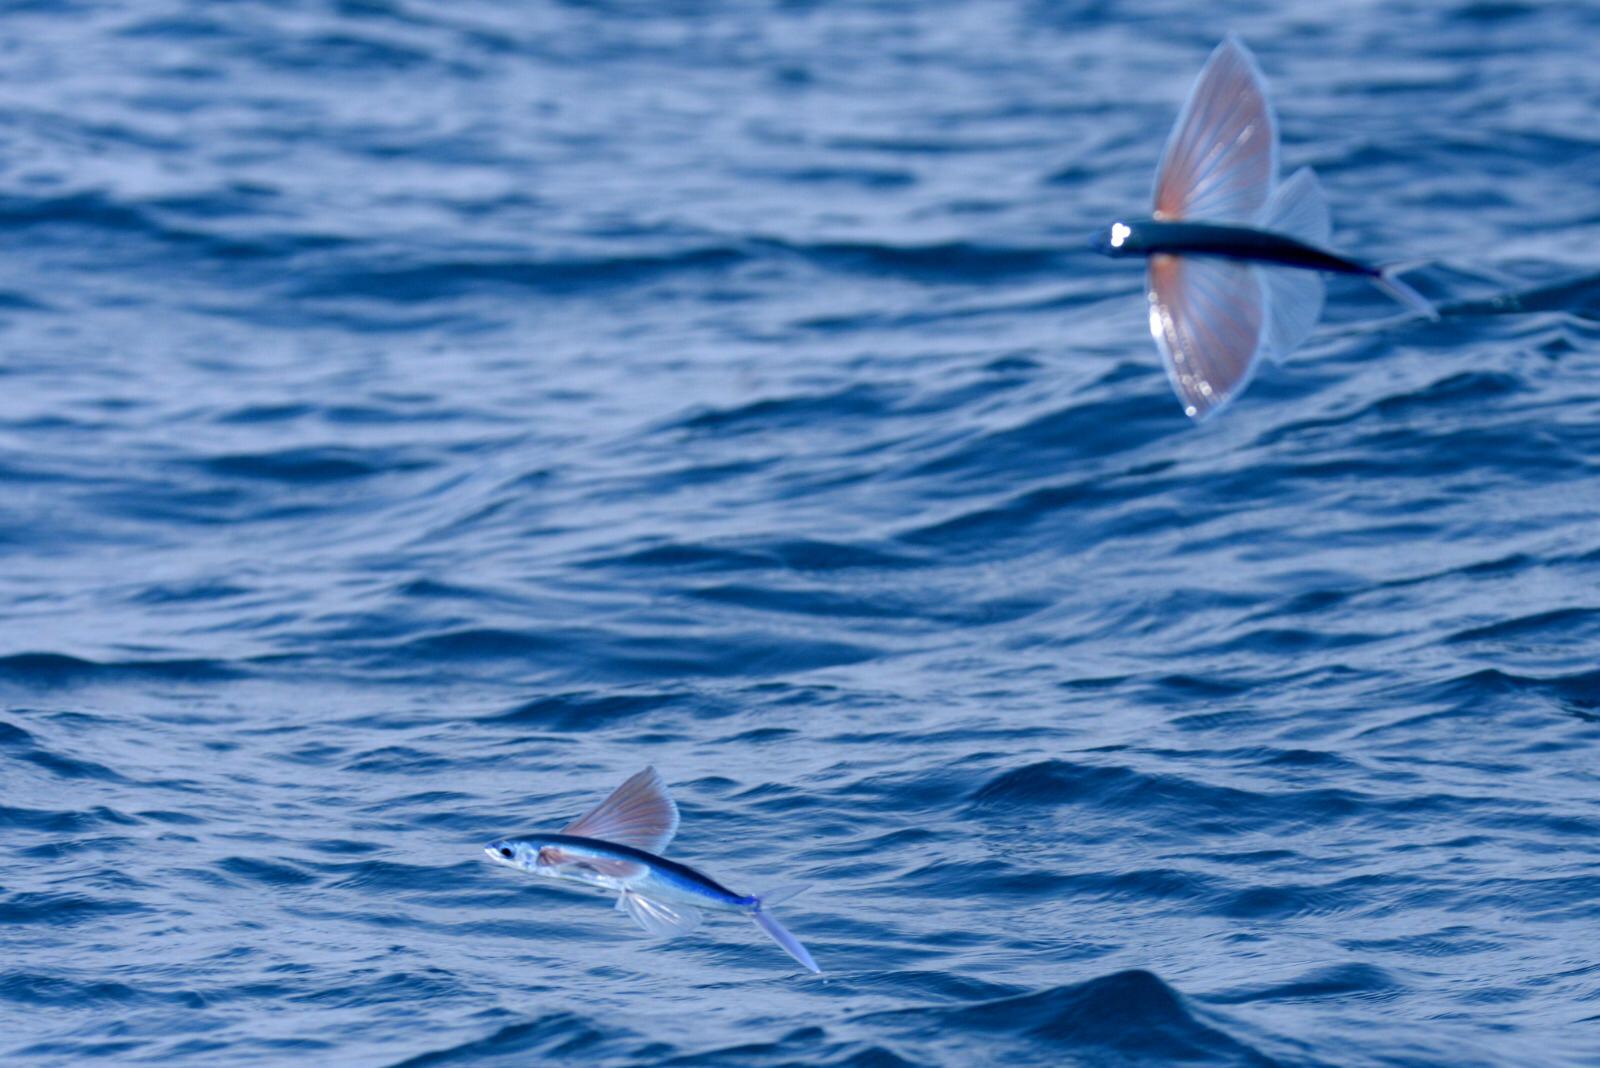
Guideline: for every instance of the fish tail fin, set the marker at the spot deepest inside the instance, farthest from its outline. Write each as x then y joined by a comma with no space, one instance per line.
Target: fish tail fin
1388,280
777,895
776,931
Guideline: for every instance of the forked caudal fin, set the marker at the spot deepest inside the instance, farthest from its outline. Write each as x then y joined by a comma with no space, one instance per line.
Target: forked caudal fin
776,931
1388,280
777,895
791,945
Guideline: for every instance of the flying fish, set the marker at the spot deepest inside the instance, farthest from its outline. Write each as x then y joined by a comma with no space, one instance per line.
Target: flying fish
1235,257
616,848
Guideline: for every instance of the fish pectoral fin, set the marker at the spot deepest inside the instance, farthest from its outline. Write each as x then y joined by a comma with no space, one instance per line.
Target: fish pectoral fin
1220,159
1208,317
657,917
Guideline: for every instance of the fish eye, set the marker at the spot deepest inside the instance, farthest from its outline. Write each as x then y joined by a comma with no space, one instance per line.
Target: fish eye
505,851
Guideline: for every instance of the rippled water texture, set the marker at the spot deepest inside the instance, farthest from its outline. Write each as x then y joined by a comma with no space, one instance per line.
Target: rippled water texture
417,417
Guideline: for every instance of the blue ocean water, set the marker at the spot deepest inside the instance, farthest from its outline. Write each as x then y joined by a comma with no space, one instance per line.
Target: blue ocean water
417,417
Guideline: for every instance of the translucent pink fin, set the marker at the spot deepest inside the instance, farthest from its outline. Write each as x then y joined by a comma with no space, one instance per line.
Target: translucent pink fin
779,934
1222,157
657,917
639,813
1208,320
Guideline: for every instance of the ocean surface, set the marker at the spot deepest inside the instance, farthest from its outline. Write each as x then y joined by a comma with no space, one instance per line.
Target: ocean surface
417,417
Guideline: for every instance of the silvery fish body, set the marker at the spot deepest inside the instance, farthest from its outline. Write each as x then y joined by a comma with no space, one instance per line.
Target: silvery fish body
616,848
612,867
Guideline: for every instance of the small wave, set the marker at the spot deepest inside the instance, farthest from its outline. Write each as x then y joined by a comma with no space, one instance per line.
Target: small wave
687,556
266,872
1578,297
1125,791
448,278
60,821
382,876
862,177
479,643
772,413
1562,625
643,655
953,260
309,465
556,1036
794,554
1329,981
1093,430
62,992
104,211
588,710
57,764
48,909
1130,1015
57,669
397,760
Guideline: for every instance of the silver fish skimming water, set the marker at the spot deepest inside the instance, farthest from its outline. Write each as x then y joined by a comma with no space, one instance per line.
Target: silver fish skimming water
616,847
1234,256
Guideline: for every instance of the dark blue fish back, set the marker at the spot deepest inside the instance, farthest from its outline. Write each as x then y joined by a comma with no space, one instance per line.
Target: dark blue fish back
417,417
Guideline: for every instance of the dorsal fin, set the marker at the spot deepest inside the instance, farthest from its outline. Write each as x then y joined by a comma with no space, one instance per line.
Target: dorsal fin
1222,156
639,813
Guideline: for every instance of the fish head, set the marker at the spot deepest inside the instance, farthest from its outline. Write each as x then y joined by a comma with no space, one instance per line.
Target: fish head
1118,239
516,853
540,858
563,860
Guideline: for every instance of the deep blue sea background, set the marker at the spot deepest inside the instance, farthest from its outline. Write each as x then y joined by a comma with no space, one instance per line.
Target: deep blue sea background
416,417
